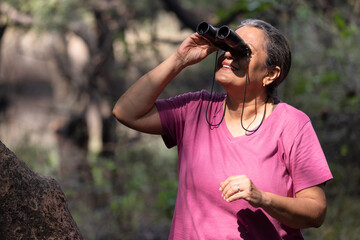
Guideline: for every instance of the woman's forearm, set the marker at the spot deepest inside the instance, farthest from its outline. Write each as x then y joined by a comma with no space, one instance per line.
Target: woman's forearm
139,99
307,209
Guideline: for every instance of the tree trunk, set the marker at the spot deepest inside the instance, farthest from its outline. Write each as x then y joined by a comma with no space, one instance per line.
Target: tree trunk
31,206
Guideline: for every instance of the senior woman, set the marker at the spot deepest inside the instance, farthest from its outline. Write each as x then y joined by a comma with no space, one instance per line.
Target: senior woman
250,166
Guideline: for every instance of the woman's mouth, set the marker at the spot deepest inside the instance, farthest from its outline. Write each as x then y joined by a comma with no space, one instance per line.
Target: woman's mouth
227,66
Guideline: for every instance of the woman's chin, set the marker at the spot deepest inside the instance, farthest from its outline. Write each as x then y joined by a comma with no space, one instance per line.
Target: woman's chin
224,79
220,77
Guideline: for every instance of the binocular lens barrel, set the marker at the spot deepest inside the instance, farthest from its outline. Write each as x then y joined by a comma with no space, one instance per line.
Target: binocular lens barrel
207,30
223,32
233,40
203,28
223,38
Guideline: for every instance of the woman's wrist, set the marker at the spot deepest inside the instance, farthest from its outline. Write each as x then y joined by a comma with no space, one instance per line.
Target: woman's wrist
179,61
265,200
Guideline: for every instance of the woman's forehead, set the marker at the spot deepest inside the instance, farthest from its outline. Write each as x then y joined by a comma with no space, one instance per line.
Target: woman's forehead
253,36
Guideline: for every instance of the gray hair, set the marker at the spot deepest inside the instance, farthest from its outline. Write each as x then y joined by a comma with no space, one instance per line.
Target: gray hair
277,48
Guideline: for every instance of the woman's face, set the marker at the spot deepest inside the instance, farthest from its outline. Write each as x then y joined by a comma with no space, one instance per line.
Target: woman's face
231,70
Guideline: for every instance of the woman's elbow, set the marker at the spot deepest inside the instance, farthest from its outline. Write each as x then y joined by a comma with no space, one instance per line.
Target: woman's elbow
117,113
126,118
315,206
319,218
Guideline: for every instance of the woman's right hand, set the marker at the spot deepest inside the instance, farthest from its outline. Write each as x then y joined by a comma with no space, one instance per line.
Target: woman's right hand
194,49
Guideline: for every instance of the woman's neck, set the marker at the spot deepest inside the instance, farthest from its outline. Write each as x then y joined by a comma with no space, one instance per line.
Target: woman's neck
248,110
242,118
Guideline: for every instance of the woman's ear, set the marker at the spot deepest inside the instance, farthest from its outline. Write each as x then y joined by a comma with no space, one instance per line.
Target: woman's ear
272,75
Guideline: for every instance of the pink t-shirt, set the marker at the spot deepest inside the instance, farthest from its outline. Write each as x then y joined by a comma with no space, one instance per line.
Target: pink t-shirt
283,157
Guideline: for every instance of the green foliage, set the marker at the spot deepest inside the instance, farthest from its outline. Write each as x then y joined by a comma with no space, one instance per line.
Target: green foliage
166,198
342,221
51,13
39,159
143,10
246,7
138,186
325,56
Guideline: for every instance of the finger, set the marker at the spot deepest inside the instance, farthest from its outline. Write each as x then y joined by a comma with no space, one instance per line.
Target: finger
233,194
229,184
231,189
224,184
236,196
235,185
228,180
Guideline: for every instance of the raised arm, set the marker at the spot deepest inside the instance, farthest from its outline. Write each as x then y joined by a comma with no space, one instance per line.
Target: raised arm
136,107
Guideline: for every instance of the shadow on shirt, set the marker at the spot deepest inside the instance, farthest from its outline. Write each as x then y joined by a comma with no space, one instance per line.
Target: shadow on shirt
255,225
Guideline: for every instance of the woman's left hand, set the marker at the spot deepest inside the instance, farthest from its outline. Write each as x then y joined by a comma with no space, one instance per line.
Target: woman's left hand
306,209
241,187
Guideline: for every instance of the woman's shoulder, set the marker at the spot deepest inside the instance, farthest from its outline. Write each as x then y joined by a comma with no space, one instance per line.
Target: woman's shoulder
289,122
202,95
291,115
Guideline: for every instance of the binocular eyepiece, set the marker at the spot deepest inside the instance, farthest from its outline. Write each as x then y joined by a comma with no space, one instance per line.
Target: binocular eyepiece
224,38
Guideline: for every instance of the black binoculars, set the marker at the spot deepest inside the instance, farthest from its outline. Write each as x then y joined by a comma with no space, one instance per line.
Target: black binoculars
224,38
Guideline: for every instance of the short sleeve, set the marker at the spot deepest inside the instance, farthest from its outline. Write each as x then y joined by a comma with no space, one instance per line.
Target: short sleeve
169,120
173,112
308,165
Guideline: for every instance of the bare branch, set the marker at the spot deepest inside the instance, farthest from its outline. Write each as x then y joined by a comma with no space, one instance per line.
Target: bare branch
186,17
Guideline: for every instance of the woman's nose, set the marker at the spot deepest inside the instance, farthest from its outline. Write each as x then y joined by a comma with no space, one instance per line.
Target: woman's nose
228,55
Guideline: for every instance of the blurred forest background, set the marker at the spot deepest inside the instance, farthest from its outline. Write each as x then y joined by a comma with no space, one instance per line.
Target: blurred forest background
64,63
